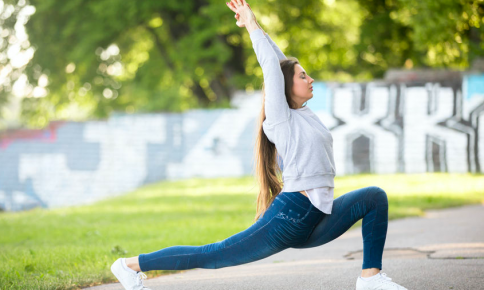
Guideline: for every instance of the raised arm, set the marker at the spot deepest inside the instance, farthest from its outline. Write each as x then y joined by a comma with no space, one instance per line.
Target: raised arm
277,50
275,103
276,107
279,53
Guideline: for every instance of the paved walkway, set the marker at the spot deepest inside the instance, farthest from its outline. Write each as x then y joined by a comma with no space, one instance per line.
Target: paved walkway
443,250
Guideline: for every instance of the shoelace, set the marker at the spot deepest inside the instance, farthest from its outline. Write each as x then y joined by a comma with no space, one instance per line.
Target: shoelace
140,277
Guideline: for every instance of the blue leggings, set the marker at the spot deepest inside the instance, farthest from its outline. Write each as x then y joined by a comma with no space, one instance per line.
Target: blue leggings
291,221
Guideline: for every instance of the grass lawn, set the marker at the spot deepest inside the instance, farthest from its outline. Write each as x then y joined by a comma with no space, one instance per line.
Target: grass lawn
73,247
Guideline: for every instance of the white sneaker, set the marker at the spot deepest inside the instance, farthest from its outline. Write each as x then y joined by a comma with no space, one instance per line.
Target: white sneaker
381,282
129,280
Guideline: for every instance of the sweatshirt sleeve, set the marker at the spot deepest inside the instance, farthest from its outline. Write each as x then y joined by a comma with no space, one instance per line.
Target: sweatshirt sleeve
276,107
280,54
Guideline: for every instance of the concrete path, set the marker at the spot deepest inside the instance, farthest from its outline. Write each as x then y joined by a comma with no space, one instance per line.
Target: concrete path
443,250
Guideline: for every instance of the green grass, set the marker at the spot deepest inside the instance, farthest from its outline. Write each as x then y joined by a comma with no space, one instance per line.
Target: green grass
73,247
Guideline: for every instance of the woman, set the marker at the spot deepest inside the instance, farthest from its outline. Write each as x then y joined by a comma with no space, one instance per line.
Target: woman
302,213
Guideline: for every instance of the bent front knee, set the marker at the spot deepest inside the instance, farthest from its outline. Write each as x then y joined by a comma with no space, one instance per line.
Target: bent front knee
378,194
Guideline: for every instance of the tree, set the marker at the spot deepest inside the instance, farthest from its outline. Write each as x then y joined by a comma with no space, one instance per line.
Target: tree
421,33
101,56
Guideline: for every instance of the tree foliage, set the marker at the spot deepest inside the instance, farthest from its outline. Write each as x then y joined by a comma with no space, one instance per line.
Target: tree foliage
103,56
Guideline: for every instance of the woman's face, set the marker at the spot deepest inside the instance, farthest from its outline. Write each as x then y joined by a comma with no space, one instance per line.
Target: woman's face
302,88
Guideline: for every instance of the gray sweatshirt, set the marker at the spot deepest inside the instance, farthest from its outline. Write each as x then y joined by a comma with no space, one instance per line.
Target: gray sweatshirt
301,139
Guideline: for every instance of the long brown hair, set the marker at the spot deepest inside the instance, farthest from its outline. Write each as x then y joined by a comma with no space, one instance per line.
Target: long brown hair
267,170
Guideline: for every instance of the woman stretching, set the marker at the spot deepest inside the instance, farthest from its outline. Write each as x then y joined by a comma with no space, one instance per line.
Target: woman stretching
302,213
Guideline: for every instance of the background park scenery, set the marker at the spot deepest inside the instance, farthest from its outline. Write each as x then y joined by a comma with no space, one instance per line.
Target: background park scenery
129,126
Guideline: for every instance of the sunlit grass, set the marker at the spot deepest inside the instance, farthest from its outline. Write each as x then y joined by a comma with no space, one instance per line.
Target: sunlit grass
69,248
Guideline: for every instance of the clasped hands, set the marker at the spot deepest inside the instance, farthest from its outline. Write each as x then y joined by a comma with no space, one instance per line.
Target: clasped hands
243,13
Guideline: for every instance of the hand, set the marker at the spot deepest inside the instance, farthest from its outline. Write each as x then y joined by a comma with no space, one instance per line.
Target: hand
243,12
237,16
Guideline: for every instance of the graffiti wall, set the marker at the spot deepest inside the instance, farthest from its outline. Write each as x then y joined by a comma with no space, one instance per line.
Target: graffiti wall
377,127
